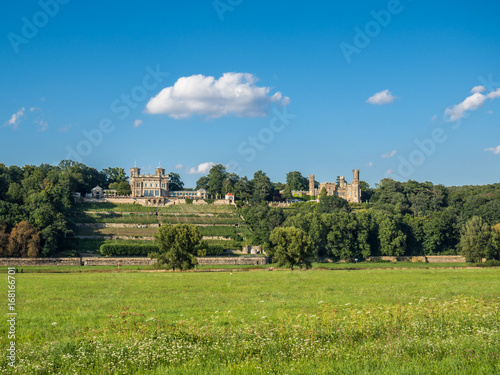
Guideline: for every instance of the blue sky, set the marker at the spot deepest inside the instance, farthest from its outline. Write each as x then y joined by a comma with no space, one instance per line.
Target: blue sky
404,89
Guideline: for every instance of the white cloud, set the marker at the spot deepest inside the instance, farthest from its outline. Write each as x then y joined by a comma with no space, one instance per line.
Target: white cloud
203,168
490,112
231,94
370,164
179,166
495,150
434,118
15,119
389,155
137,123
390,171
381,98
471,103
33,109
477,89
494,94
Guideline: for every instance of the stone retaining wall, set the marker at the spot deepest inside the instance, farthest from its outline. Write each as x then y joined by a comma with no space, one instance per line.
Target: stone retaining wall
122,261
423,259
19,262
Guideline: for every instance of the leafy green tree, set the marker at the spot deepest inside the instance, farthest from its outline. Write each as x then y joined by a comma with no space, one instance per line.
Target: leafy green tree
114,174
243,189
391,237
366,191
332,203
296,181
179,245
440,233
4,240
475,240
287,193
323,194
202,183
175,182
342,236
292,247
123,188
229,183
263,188
216,178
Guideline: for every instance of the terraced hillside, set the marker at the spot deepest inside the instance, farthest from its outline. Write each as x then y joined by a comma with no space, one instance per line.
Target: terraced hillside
99,223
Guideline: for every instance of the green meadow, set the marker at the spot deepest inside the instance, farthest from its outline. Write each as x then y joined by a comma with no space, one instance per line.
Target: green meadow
404,321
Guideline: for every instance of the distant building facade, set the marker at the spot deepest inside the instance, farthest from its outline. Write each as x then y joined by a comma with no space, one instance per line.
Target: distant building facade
155,188
349,191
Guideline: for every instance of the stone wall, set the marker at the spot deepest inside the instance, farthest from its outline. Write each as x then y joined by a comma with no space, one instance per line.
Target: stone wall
423,259
18,262
123,261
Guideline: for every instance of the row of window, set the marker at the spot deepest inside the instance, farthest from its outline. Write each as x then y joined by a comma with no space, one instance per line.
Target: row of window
180,194
138,184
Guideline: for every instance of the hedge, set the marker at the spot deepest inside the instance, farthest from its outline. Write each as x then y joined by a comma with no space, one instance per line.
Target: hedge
215,250
127,249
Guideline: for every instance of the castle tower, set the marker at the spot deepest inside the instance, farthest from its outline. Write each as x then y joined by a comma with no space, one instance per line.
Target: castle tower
160,171
135,172
311,185
356,186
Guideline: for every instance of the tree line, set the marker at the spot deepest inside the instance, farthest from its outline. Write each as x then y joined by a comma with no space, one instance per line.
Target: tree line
396,218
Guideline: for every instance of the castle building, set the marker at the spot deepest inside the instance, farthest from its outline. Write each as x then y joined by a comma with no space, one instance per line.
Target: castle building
155,188
147,185
349,191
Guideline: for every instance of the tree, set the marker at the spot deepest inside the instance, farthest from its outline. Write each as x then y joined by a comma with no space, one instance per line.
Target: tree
243,189
332,203
366,191
24,241
263,188
392,238
179,245
292,247
202,183
287,193
296,181
4,240
175,182
475,240
123,188
114,174
216,178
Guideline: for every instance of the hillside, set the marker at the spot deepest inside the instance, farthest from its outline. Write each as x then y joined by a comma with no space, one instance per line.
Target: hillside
99,223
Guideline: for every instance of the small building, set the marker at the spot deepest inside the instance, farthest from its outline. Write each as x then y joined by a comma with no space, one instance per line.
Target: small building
230,197
97,192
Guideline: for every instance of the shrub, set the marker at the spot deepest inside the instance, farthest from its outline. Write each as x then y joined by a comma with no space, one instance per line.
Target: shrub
213,250
128,249
489,263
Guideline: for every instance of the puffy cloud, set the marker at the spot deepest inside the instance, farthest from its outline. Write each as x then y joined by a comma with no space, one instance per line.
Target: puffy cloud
15,119
370,164
389,155
179,166
203,168
494,94
495,150
471,103
477,89
231,94
381,98
390,171
137,123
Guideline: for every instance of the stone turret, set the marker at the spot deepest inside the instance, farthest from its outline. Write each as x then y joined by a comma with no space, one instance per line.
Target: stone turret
311,185
135,172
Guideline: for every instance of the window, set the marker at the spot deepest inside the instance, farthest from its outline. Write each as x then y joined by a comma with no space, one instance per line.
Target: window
156,185
138,185
157,193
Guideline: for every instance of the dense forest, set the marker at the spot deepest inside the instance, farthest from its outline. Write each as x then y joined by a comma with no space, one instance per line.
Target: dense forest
396,218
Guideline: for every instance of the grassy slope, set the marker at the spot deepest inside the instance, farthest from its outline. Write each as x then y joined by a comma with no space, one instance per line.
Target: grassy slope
389,321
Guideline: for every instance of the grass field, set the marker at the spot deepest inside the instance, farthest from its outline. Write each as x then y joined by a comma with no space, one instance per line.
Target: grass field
413,321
